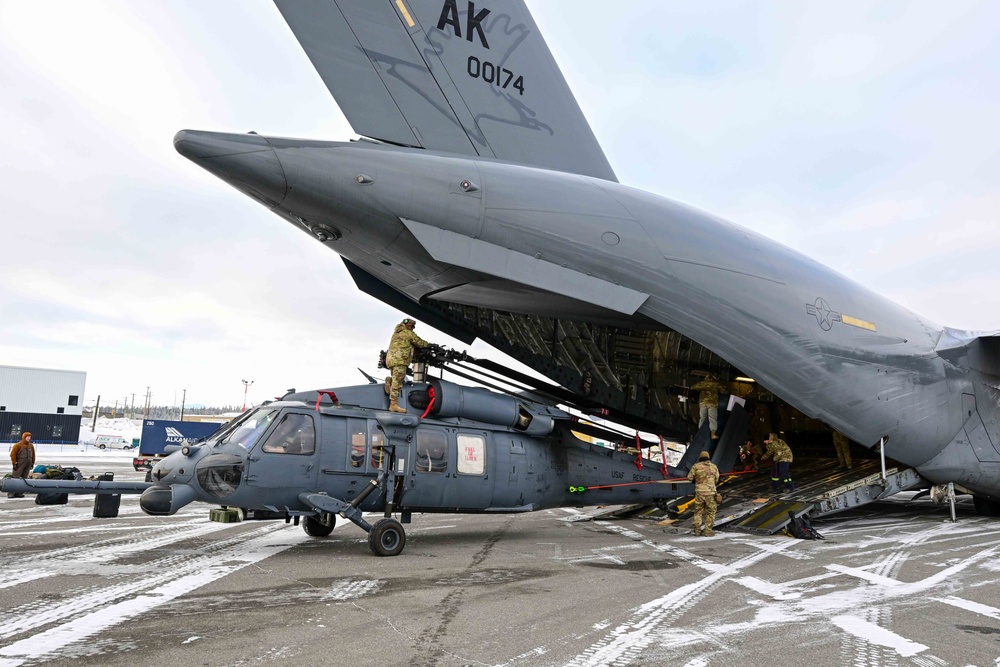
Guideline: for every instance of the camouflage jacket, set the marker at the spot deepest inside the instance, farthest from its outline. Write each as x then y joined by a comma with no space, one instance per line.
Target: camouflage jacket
705,476
401,346
779,451
710,390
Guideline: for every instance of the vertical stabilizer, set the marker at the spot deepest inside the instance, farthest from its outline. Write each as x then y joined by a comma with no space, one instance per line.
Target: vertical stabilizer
473,78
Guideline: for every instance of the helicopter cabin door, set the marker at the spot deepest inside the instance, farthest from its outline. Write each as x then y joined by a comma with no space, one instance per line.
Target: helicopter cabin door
285,460
449,469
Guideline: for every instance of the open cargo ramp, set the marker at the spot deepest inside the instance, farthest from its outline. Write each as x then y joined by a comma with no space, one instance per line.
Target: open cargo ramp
821,488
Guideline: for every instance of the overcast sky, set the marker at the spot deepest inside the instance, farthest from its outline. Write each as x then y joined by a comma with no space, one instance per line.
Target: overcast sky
861,134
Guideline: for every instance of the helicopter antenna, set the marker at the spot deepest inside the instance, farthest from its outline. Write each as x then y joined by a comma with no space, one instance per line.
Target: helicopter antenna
371,380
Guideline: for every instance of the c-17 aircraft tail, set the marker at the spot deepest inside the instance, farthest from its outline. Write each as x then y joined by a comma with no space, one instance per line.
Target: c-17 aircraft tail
458,76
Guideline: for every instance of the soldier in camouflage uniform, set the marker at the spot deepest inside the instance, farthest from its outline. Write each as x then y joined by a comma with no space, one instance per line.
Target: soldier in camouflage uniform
843,447
708,401
781,454
705,476
398,356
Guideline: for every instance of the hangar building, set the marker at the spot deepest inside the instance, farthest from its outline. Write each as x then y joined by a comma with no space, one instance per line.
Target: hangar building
46,402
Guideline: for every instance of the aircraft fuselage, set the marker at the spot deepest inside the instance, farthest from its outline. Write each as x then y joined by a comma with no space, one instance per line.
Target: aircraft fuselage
534,241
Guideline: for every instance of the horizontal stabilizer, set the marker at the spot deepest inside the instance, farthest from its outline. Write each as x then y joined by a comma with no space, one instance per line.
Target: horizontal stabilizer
472,78
469,253
975,350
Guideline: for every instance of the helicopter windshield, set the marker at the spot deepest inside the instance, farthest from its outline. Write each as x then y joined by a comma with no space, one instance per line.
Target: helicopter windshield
229,427
250,428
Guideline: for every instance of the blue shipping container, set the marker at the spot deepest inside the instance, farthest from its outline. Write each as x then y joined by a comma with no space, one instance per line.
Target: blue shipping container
158,433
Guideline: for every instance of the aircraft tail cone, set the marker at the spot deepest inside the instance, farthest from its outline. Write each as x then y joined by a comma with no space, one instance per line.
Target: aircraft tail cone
245,161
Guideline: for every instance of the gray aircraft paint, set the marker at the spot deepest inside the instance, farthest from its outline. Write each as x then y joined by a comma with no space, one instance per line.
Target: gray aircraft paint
826,345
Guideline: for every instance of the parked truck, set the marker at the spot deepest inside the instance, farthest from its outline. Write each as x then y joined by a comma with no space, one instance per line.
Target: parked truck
158,433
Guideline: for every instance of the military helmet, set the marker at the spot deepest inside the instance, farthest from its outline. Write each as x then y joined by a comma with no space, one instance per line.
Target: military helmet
704,455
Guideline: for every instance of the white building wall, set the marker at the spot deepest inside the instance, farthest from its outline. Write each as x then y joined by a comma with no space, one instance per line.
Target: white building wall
41,390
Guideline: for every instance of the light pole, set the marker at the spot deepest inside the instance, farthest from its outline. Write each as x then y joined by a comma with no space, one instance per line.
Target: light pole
246,386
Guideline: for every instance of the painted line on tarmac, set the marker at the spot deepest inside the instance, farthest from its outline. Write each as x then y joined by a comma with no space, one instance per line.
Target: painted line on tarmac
875,634
195,573
969,605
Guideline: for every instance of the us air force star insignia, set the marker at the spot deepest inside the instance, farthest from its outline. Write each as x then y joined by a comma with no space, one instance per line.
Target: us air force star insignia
825,317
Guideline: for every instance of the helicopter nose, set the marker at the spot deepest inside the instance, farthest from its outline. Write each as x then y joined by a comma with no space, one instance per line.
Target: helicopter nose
245,161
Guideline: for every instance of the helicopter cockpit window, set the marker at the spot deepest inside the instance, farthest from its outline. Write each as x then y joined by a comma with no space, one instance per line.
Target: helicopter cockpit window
432,451
471,454
250,428
295,434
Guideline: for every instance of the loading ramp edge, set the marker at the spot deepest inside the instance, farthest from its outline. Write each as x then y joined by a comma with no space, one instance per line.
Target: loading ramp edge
773,516
868,490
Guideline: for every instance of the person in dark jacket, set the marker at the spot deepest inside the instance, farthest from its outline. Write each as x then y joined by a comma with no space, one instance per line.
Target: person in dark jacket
22,457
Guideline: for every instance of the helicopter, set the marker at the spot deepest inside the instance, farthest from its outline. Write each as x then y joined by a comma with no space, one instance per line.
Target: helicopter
312,456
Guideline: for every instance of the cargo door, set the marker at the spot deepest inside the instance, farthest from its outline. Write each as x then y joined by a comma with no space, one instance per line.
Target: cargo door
449,470
470,485
976,431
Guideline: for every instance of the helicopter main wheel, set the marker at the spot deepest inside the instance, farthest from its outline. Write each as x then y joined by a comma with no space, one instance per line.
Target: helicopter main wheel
387,538
320,526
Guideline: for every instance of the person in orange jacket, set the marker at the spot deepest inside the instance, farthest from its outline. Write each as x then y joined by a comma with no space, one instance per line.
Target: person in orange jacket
22,457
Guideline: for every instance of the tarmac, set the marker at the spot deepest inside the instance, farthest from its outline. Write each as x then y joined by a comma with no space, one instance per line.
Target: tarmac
893,583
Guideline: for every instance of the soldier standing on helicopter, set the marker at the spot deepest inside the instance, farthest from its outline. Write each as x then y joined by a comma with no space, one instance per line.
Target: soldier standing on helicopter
398,356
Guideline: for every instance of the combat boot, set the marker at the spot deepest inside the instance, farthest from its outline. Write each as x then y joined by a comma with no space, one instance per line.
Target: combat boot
388,384
708,532
697,531
394,406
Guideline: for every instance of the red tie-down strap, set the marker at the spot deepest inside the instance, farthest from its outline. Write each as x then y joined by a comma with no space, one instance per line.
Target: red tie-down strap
333,398
663,455
430,403
638,457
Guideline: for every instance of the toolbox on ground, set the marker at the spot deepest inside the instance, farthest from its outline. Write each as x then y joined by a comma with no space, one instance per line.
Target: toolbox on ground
225,515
